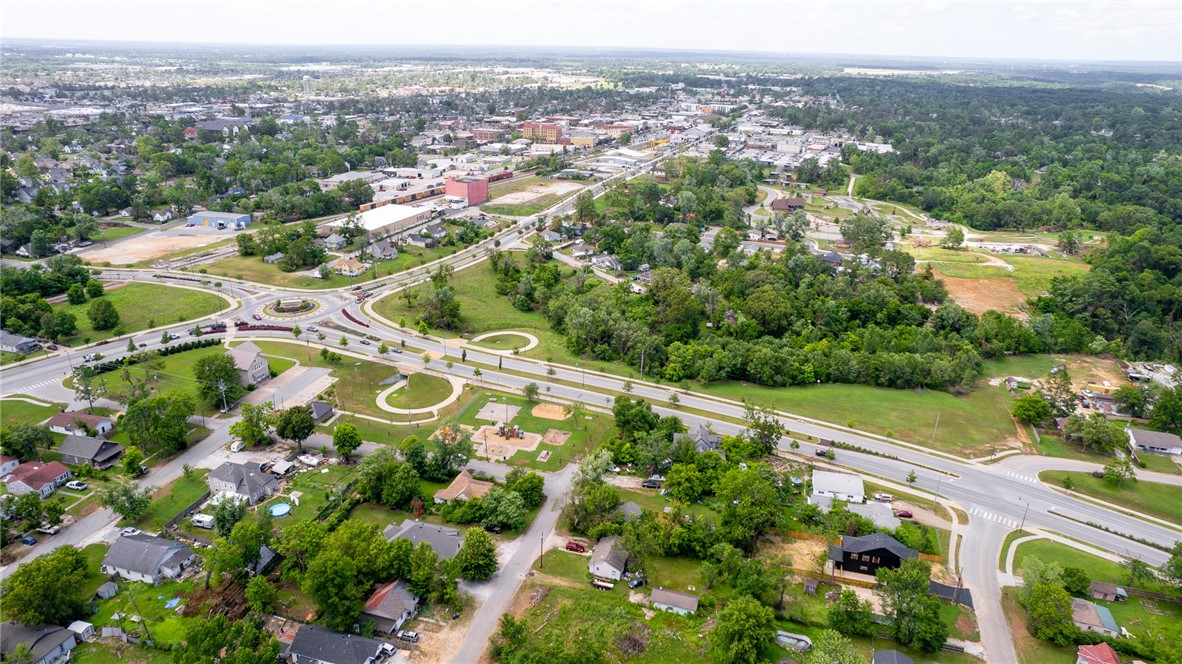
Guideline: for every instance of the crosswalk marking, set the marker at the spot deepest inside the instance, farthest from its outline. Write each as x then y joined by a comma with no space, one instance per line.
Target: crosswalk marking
996,518
1020,476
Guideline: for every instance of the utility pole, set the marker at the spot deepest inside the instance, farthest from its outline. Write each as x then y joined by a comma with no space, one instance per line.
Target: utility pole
936,428
1022,525
222,389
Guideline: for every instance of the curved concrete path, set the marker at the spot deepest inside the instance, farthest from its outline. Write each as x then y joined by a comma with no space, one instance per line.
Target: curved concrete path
533,341
457,388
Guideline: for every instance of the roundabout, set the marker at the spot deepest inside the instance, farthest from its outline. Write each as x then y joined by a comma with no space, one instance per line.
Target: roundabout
288,308
505,341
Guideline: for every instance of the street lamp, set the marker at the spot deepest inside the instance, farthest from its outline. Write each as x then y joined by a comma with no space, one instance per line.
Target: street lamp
1024,512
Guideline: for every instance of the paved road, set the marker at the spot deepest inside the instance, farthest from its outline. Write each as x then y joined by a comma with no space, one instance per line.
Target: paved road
997,497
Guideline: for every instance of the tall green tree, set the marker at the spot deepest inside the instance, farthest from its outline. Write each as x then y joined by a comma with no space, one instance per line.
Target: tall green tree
160,422
255,423
23,440
850,615
346,438
126,499
48,589
1049,613
744,627
915,615
102,314
295,424
477,558
218,383
829,647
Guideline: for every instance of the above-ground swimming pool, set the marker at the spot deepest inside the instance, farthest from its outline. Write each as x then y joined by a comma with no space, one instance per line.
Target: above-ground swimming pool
280,509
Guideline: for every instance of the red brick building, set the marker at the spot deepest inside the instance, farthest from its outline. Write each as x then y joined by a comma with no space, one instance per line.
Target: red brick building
547,132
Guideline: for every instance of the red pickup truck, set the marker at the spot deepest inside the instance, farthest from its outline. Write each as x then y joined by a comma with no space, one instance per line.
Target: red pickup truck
576,547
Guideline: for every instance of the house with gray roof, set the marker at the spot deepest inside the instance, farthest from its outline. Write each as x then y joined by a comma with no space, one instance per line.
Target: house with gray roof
705,440
880,514
866,555
390,606
630,510
891,657
1157,442
673,601
46,644
244,480
314,644
335,241
147,558
87,451
252,366
445,541
15,343
609,560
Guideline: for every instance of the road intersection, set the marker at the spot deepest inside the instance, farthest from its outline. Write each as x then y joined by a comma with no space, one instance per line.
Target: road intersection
997,498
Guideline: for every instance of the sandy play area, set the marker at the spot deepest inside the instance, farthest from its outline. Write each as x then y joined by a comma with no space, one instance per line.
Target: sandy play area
556,437
499,447
152,245
549,411
498,412
536,192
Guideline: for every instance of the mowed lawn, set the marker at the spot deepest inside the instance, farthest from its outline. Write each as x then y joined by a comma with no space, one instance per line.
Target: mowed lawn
252,268
968,425
141,306
1031,274
13,411
113,233
1159,500
421,391
357,385
483,310
1133,614
169,500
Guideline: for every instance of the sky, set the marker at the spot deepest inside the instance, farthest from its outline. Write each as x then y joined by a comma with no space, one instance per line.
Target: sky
1034,29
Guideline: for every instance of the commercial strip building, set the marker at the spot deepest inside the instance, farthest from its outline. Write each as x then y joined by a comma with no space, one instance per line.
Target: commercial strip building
386,220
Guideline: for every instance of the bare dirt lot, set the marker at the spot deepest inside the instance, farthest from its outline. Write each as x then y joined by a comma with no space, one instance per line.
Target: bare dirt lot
556,437
981,295
549,411
153,245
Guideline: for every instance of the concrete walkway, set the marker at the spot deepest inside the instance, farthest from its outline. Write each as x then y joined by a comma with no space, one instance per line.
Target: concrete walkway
457,388
532,341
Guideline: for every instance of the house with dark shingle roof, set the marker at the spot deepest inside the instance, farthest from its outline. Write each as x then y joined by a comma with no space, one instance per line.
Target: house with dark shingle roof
46,644
93,452
1157,442
891,657
245,480
445,541
147,558
609,560
705,440
314,644
866,555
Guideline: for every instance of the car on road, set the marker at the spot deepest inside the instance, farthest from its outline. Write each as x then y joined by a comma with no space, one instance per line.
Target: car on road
129,531
903,514
76,485
397,350
355,288
143,345
576,547
821,452
365,342
52,346
28,540
651,484
49,530
408,636
636,582
313,328
256,316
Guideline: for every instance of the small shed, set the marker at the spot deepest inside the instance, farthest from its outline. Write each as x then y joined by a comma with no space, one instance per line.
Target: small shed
83,629
107,590
810,587
1108,592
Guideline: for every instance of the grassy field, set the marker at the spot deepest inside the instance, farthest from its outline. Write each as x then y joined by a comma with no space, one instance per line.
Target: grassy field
514,186
483,310
357,385
968,425
422,390
175,374
1031,274
94,575
501,342
142,306
9,358
13,412
1150,498
1160,463
586,436
103,652
1135,613
1055,446
171,499
252,268
523,209
117,233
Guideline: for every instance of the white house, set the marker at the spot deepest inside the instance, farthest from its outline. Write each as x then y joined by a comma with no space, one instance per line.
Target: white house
673,601
609,560
244,480
839,486
314,644
80,424
1154,441
252,366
